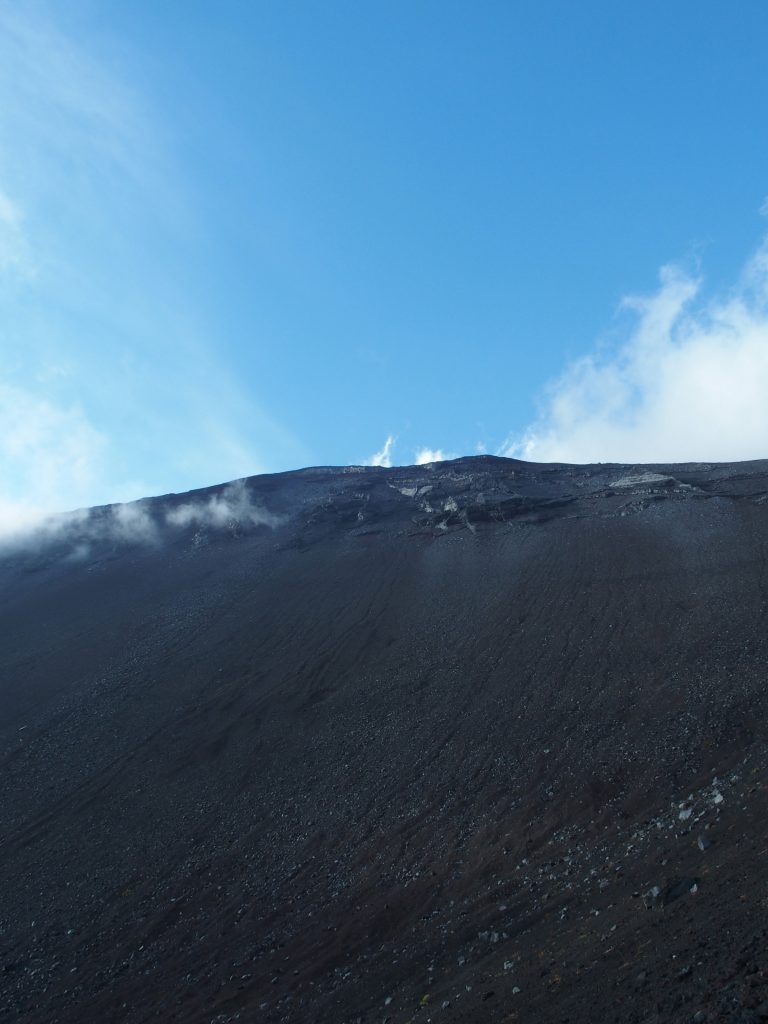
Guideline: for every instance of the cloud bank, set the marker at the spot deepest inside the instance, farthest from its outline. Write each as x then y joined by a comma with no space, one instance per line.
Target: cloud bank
688,383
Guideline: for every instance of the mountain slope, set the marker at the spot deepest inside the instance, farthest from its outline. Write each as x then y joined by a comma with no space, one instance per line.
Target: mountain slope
408,744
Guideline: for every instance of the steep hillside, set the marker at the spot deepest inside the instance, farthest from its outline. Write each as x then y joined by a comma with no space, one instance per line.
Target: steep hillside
472,742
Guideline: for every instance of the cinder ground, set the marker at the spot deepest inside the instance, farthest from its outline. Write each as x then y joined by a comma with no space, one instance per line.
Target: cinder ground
480,742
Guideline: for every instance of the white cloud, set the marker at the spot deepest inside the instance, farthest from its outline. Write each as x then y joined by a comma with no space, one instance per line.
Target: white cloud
422,456
132,523
77,532
426,455
232,505
689,383
382,457
129,523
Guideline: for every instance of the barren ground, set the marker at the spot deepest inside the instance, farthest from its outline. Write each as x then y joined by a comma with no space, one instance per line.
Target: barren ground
478,742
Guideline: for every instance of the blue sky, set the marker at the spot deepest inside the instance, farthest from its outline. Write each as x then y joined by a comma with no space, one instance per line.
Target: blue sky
239,237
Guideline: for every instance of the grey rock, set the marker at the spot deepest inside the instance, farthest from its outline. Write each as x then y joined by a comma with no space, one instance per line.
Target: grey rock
652,898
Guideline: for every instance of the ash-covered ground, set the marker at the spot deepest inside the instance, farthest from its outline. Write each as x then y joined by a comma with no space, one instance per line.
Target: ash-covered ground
481,741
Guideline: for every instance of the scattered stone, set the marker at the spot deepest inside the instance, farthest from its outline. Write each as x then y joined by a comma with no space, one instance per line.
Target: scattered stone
652,898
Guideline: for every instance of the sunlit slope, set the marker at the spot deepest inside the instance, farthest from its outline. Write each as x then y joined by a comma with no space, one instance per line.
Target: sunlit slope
316,741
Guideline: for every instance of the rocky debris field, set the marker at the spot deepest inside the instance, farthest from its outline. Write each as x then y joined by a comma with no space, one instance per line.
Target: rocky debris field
471,742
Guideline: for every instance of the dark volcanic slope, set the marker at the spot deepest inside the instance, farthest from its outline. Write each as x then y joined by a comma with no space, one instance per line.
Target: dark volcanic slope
482,741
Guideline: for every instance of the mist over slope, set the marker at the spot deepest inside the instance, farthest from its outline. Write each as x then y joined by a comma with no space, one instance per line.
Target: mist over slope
481,740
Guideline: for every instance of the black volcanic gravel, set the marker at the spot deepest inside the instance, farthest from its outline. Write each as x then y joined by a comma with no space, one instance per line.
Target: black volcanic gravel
483,741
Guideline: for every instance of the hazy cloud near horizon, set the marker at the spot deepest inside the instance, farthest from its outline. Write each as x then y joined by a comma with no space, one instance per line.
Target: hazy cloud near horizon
45,449
688,383
233,504
136,522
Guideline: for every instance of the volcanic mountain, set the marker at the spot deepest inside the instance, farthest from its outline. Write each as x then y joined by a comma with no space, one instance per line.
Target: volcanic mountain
476,741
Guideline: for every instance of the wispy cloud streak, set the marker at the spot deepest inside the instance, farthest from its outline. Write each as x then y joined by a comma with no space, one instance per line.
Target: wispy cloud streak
383,457
90,185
